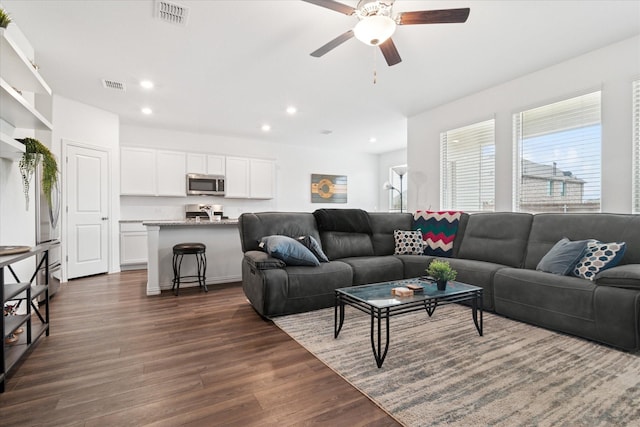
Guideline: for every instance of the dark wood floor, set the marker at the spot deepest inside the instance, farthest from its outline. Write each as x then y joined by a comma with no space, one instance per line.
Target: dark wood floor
116,357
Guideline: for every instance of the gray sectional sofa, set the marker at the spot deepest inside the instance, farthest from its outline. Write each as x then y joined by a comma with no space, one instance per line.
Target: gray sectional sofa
497,251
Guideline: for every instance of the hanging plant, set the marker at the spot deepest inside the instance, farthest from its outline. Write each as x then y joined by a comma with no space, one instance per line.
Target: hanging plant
35,152
5,19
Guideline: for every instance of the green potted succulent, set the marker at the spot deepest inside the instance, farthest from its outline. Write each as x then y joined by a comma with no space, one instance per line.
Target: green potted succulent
36,152
5,19
441,272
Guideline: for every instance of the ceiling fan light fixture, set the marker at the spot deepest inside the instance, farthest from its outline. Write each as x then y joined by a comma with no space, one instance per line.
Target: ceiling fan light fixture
374,30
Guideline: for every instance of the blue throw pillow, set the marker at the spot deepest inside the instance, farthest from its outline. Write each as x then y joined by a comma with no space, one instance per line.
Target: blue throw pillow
312,244
288,250
563,257
598,257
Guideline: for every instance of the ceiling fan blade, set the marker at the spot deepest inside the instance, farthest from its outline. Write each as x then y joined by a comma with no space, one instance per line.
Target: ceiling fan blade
333,44
333,5
445,16
390,52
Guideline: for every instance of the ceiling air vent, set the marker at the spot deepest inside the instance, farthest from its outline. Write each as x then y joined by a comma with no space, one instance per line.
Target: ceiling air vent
110,84
173,13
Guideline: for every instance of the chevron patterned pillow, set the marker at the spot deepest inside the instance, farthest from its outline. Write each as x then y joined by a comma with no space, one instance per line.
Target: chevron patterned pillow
438,231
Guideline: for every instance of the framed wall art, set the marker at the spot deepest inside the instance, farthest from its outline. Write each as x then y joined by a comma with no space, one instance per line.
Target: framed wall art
328,188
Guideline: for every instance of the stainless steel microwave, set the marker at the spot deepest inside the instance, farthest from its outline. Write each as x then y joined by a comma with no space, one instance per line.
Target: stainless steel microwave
205,185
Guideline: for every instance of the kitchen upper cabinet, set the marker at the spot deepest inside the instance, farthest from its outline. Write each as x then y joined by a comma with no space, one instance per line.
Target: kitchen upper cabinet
207,164
171,173
261,174
249,178
137,171
149,172
237,178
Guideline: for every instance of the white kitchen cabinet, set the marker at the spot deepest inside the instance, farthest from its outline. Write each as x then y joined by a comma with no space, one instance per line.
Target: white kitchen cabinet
207,164
215,164
261,174
133,245
137,171
171,173
249,178
237,178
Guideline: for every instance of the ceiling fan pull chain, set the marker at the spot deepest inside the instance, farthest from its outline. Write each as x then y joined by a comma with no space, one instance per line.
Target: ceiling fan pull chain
375,73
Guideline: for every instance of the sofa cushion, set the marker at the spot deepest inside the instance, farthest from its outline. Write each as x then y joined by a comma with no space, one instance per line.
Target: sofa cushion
374,269
382,225
288,250
599,257
563,257
477,273
438,231
312,244
408,242
338,244
254,226
500,238
622,276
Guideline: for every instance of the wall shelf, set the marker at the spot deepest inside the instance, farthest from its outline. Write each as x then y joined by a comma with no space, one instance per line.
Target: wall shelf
17,69
18,112
10,148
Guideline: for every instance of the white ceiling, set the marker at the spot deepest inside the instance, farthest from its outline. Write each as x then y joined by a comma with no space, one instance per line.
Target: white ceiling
238,64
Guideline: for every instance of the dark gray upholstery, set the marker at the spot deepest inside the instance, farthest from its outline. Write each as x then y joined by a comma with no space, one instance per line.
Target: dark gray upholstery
500,238
496,251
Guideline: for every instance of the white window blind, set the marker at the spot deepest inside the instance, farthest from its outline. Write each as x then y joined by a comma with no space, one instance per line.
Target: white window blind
636,146
467,173
557,151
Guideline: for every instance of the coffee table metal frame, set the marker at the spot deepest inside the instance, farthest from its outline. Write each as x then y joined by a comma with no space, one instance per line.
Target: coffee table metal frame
376,299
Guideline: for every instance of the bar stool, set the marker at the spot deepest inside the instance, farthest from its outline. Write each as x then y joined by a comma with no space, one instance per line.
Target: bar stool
179,251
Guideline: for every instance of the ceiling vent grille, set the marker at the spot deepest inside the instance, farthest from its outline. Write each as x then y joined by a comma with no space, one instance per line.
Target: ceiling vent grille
173,13
111,84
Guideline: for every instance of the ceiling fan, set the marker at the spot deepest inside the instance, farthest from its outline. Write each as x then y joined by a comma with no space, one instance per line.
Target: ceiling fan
377,24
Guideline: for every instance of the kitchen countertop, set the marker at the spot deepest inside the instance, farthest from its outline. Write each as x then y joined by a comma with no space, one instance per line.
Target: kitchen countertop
191,222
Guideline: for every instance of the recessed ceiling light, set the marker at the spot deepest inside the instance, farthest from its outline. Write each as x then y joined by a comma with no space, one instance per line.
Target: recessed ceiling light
265,128
291,109
372,140
147,110
147,84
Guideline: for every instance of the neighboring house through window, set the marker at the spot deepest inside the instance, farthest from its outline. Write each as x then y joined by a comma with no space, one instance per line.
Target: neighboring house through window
557,156
467,173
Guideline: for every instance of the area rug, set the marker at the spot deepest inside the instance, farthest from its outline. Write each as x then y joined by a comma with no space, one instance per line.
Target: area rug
439,371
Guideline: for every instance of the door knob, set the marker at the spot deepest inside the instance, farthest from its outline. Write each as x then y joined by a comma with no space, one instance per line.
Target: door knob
104,218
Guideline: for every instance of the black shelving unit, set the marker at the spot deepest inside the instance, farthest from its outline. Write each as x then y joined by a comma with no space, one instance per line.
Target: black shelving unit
35,321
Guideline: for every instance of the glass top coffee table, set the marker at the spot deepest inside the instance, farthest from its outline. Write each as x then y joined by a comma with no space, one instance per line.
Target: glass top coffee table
377,300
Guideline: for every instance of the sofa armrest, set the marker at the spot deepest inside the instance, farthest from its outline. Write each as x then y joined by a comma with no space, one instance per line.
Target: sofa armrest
623,276
263,261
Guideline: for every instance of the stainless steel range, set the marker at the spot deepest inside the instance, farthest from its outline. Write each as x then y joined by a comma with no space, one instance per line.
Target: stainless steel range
204,211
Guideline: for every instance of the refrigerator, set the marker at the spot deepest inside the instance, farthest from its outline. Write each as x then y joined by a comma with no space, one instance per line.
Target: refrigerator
48,231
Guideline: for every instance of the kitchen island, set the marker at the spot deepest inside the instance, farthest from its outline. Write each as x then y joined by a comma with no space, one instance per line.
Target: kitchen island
224,255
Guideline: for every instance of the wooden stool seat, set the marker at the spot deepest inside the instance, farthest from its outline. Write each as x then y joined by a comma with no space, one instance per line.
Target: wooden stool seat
179,251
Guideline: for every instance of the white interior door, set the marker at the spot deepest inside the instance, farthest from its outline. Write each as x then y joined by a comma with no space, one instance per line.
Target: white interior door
87,211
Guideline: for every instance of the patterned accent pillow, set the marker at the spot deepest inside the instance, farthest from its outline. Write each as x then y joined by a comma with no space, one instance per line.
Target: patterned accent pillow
599,257
438,231
408,242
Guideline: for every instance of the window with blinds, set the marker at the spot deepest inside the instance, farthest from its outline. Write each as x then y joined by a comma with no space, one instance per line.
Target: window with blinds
557,151
467,173
636,147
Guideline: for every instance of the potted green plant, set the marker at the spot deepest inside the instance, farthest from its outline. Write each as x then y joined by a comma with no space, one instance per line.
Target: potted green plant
441,272
36,152
5,19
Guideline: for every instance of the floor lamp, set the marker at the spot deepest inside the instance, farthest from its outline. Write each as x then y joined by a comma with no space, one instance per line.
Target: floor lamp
401,171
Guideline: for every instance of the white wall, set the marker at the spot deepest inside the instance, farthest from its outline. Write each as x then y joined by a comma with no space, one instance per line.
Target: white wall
611,69
294,166
81,124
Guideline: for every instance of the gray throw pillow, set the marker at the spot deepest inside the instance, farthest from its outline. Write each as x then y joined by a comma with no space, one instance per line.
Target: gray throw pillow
312,244
563,257
288,250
